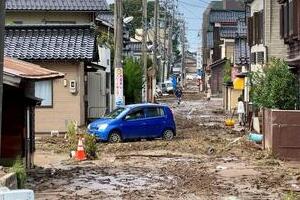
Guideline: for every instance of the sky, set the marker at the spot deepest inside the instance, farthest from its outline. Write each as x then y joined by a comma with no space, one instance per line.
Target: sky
192,11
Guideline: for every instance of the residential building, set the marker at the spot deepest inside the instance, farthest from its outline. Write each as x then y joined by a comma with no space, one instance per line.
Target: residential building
290,31
19,104
224,38
264,36
60,35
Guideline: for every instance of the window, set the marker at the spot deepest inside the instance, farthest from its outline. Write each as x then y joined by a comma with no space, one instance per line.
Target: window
17,22
260,57
291,31
115,113
43,90
256,28
155,112
289,16
137,114
253,58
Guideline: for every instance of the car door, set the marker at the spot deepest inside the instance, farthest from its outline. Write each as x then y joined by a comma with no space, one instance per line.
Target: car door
134,125
155,121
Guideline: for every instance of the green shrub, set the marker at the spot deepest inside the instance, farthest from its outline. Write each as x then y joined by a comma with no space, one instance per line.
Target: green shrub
19,168
90,142
72,136
90,145
133,82
275,86
227,72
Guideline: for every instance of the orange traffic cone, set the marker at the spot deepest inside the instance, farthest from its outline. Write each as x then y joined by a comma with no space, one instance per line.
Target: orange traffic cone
80,153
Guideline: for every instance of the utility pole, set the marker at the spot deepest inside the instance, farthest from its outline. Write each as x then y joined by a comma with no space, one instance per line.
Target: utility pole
170,41
156,5
183,53
2,30
164,47
118,42
144,49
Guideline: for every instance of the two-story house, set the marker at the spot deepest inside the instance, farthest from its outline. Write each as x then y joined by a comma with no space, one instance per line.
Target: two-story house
289,24
60,35
264,33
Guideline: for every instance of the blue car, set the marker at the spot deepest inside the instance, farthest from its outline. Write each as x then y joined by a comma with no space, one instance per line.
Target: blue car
135,121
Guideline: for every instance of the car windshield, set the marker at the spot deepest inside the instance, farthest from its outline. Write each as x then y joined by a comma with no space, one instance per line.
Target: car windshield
115,113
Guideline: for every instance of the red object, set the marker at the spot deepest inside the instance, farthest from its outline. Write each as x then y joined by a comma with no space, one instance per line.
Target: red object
80,153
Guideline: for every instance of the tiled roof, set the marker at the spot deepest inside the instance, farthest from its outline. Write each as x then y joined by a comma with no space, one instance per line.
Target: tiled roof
70,5
50,42
225,16
228,32
241,50
216,5
106,17
28,70
134,46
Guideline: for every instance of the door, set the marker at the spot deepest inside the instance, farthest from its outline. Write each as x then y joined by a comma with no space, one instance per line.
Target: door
96,95
134,124
156,121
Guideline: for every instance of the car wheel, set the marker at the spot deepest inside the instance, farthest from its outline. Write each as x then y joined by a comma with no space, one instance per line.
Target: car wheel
168,134
115,137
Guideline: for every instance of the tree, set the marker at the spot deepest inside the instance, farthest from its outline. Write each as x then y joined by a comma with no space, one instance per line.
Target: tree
275,86
227,72
134,8
133,82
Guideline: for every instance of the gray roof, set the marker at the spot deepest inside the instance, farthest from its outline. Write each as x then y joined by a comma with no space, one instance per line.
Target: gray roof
241,51
55,5
135,46
50,42
106,17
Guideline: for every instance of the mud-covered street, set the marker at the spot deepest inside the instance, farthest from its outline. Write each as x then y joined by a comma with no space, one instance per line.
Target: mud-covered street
206,160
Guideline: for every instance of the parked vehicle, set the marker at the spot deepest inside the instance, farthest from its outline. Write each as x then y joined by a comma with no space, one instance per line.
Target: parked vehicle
169,86
163,87
158,91
135,121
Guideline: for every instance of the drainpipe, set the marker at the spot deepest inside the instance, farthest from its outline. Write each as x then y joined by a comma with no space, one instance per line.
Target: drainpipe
27,145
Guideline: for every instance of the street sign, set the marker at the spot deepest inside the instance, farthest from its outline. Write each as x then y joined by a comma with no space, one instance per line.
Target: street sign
119,84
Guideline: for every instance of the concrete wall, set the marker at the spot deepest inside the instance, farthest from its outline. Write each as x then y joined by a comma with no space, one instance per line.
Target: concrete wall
281,133
42,17
66,106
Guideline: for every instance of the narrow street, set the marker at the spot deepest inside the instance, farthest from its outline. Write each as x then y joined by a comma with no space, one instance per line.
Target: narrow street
205,161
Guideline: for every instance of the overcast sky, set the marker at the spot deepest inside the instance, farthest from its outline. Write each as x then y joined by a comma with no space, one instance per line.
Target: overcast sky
192,10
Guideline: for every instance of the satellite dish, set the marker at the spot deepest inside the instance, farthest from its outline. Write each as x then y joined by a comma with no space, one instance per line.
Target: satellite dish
126,20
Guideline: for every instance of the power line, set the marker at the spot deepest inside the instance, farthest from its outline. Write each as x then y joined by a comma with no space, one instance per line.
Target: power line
190,4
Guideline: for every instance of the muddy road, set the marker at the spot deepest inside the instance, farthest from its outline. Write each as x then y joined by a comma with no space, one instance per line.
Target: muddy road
205,161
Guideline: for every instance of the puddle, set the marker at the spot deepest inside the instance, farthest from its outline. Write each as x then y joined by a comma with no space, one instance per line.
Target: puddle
115,184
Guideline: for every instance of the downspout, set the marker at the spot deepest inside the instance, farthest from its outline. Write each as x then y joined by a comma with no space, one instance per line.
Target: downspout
27,144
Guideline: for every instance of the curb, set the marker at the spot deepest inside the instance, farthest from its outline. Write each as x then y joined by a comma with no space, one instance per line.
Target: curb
9,180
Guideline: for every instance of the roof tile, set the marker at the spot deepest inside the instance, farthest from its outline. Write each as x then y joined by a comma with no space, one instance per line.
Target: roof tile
74,5
50,42
28,70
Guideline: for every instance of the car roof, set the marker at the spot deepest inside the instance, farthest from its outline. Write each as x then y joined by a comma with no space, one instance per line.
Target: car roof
145,105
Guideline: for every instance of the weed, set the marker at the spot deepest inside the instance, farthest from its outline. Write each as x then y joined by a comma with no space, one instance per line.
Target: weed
19,168
291,196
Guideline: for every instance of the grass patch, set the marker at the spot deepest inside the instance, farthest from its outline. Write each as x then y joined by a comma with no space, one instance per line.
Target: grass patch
19,168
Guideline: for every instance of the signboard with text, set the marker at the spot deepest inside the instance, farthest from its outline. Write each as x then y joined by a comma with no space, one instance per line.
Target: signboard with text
119,100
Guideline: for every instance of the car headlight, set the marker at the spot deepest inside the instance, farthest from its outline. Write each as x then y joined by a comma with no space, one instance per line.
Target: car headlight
102,126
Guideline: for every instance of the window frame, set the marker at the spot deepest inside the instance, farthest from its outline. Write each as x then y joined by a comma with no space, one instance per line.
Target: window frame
52,103
133,111
163,114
